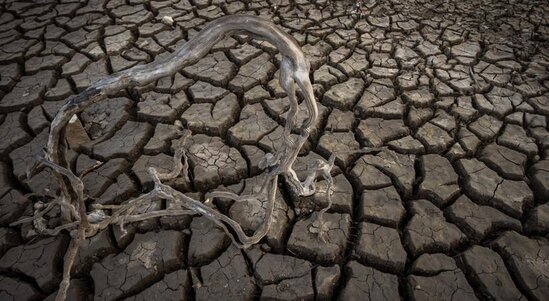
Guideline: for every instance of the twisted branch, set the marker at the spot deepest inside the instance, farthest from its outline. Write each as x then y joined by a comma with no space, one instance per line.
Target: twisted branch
81,224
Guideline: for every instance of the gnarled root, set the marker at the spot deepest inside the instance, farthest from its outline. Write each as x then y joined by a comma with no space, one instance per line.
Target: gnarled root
83,224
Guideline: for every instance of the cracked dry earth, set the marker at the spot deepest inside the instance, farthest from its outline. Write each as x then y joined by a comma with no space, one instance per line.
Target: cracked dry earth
455,207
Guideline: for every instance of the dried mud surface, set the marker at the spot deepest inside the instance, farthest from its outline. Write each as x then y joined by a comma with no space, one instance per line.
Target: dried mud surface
456,207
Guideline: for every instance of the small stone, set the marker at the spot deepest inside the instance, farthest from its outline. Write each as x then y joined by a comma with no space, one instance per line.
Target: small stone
168,20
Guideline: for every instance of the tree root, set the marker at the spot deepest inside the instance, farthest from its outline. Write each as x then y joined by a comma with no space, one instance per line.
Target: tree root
82,223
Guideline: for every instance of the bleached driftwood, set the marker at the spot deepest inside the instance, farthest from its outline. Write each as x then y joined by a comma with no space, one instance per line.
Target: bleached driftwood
83,222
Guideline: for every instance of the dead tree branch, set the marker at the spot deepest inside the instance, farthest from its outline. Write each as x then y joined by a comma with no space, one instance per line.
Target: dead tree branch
83,223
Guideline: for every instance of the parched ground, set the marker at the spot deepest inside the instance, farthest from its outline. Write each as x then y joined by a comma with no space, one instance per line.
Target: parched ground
456,207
